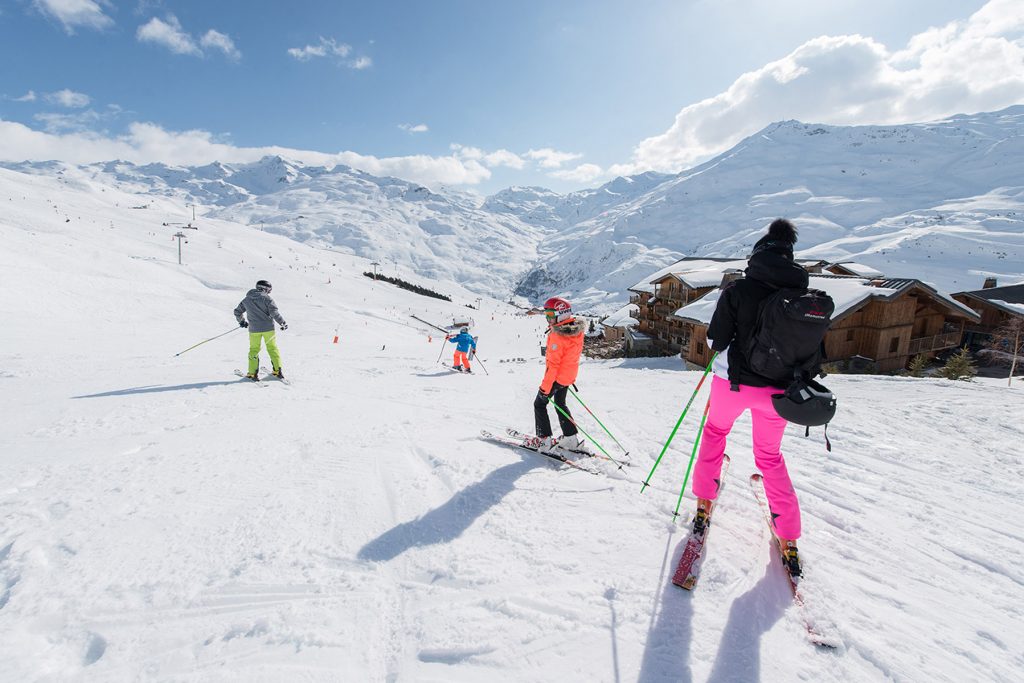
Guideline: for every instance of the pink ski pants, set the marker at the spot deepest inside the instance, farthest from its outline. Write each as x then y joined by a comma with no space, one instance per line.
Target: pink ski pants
768,427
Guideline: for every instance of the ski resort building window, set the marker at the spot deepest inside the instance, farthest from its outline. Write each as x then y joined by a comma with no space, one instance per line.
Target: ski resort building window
894,345
849,335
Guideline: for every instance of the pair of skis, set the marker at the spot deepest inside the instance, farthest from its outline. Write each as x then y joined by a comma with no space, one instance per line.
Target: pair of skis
688,570
531,443
263,380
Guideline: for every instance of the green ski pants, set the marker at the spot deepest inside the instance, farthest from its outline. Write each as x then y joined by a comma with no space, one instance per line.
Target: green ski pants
254,350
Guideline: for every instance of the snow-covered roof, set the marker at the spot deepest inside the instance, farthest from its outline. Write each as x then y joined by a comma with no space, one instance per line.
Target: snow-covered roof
1019,308
694,272
848,293
859,269
622,317
1009,298
645,284
903,284
701,310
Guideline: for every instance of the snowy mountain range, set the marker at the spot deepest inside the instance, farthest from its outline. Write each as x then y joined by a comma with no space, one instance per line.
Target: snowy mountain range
942,201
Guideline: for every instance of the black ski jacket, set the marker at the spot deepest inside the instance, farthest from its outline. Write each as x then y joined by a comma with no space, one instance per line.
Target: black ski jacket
735,316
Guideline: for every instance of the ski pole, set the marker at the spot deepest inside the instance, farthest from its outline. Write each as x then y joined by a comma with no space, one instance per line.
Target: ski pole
477,359
551,400
234,329
577,397
444,342
696,443
647,481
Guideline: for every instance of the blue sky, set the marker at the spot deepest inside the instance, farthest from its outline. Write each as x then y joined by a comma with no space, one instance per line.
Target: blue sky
483,95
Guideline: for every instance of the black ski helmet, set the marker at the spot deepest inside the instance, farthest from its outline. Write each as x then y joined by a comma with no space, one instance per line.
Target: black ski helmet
805,402
264,285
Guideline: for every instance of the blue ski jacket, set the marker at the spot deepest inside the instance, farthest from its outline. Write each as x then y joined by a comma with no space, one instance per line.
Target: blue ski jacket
463,341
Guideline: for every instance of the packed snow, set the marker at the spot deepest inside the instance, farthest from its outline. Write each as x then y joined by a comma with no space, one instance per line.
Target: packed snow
161,519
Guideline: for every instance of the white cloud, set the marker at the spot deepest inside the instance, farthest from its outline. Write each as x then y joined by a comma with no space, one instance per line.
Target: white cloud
503,157
171,35
148,143
68,98
218,41
550,158
168,34
409,128
361,63
30,96
60,123
326,47
74,14
966,66
584,173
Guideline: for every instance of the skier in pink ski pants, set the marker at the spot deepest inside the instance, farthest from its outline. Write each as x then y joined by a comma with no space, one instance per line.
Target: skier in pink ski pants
737,388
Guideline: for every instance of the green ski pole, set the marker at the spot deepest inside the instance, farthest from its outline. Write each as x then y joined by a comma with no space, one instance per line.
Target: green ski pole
551,400
647,481
577,397
233,329
696,443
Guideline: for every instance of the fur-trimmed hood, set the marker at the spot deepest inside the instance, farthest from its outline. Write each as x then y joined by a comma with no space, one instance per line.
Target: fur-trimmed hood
569,329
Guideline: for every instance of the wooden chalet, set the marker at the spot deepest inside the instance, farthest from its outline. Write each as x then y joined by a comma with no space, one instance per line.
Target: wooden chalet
881,323
614,326
995,306
680,284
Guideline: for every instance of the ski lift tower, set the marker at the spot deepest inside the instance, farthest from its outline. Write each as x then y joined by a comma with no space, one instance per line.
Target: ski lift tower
375,264
180,236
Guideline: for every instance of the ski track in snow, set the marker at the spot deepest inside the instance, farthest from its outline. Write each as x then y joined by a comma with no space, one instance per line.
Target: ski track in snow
161,519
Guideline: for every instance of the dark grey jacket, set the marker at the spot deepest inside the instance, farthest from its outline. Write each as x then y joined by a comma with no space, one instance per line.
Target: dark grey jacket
261,311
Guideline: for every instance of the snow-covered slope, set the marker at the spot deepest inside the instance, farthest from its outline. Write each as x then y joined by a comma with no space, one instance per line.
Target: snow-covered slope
162,520
443,236
941,200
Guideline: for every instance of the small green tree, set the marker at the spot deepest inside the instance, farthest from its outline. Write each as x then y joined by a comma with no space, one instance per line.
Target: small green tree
959,366
917,365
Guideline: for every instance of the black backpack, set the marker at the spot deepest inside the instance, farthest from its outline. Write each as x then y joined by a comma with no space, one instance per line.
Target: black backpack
788,339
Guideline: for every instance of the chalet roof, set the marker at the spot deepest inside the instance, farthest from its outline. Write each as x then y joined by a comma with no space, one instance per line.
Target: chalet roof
901,285
848,293
702,271
858,269
1009,298
622,317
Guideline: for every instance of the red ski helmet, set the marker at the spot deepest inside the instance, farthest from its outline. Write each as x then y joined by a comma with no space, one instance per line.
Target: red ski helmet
557,311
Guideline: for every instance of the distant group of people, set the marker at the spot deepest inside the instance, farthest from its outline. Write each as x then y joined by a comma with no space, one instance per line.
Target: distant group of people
736,387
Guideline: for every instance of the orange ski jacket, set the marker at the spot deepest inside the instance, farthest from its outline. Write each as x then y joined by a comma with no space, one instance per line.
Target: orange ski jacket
562,358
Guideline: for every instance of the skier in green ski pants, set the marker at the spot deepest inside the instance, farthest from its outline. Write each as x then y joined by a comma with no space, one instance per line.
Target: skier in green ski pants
261,312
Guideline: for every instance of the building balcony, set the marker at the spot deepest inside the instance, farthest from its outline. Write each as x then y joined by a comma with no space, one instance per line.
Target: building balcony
935,343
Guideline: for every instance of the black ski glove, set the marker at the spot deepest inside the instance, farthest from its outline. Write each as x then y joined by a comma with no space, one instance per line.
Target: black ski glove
242,323
541,394
284,326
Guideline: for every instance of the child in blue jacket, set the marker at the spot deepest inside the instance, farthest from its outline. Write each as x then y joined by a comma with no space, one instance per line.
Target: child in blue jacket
463,342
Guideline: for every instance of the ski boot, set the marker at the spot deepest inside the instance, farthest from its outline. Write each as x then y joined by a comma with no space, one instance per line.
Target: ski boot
791,558
253,376
278,373
702,518
548,444
575,444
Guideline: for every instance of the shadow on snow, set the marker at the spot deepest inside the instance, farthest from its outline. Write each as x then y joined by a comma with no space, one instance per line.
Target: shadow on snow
159,388
446,523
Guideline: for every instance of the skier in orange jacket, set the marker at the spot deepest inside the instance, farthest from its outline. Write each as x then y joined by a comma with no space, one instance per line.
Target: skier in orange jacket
562,358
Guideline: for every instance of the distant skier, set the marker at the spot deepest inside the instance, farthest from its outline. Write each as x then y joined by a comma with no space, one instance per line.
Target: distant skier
736,387
261,312
562,364
463,341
